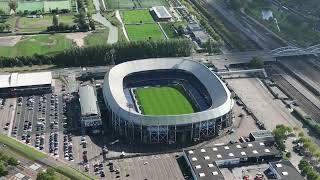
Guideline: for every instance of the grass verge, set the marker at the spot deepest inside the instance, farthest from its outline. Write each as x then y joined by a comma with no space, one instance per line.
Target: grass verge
21,148
98,37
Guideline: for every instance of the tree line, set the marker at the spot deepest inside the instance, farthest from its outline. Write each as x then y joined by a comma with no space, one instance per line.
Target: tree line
105,54
306,168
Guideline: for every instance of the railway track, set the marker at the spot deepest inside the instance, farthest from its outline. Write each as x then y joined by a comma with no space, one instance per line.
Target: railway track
301,100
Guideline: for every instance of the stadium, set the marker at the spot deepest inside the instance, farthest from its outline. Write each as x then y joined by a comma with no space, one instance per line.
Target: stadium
166,101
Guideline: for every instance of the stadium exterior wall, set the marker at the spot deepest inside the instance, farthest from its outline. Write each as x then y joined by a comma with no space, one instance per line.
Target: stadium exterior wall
169,128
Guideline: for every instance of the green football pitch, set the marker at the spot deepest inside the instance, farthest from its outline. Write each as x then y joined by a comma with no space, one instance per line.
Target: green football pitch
163,101
137,16
144,32
133,4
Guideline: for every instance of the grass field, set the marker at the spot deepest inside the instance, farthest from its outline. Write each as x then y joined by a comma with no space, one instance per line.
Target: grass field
98,37
144,32
41,44
30,6
136,16
130,4
37,5
151,3
4,6
50,5
119,4
40,24
163,101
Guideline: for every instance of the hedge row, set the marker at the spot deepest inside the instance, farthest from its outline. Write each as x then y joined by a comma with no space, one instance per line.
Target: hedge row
105,54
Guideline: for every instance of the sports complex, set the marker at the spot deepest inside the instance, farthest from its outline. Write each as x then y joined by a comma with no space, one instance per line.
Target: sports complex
166,101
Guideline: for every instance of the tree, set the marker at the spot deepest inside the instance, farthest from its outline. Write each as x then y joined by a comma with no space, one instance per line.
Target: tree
280,133
92,25
2,27
55,20
209,46
3,169
13,5
48,175
13,161
235,4
256,63
288,155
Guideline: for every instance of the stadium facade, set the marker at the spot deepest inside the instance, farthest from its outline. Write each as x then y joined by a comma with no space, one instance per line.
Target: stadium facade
209,95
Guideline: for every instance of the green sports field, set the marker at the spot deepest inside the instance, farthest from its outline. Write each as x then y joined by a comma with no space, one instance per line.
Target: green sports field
163,101
137,16
144,32
40,44
30,6
130,4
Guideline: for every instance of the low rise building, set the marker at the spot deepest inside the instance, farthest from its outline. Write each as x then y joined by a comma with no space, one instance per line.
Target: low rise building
262,135
90,112
18,84
205,162
161,13
283,170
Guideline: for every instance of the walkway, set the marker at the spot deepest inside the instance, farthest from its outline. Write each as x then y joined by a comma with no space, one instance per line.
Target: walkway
122,25
113,30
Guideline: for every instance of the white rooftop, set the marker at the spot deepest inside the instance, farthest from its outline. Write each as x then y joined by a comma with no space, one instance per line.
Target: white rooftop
88,100
25,79
161,12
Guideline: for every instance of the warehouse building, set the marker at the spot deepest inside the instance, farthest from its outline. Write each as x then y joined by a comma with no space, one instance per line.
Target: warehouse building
90,112
161,13
205,163
20,84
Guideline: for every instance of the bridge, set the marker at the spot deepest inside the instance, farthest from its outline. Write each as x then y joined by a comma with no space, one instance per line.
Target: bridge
295,51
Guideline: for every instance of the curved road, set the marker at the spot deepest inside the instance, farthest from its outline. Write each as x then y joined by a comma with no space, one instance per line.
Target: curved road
113,30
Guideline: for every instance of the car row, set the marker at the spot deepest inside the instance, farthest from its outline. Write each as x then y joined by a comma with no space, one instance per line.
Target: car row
39,142
54,144
68,147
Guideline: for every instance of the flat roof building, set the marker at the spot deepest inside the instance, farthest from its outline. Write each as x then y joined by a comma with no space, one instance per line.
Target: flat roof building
284,170
161,12
262,135
90,112
25,83
206,161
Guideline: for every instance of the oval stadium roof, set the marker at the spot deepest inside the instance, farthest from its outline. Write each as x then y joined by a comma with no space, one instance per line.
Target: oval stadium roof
115,97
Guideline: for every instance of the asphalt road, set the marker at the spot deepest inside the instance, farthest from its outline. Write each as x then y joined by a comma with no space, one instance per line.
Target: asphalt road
113,30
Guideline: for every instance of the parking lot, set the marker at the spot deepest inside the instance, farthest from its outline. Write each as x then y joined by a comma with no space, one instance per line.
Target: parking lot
40,122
